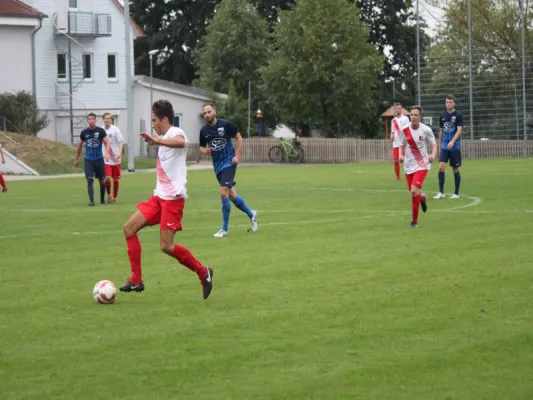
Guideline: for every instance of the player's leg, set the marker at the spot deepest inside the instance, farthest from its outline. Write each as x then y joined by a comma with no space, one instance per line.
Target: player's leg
455,163
108,178
238,200
171,215
99,168
89,176
396,158
225,185
3,183
116,178
149,214
443,160
417,199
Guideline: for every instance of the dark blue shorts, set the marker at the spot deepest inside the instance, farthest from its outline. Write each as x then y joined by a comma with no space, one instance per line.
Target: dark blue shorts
95,168
454,156
226,177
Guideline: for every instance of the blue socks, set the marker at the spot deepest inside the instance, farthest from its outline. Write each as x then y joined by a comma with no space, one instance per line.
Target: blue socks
90,189
441,182
226,210
457,177
241,205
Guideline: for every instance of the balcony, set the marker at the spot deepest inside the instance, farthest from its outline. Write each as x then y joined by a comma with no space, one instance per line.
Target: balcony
83,24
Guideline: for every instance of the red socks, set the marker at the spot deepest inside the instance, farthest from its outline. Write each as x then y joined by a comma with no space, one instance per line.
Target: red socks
108,187
134,254
397,169
3,182
115,189
186,258
415,207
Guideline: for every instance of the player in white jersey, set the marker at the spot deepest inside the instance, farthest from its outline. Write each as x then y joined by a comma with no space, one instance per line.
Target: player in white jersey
165,207
113,165
417,140
397,121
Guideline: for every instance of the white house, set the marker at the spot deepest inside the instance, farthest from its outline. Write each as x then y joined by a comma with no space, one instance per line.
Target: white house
42,33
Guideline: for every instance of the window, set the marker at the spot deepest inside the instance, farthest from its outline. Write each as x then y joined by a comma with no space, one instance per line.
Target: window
87,66
61,66
112,66
73,3
177,120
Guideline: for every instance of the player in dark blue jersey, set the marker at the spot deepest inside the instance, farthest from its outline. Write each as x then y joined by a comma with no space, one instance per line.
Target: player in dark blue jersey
451,127
215,140
92,137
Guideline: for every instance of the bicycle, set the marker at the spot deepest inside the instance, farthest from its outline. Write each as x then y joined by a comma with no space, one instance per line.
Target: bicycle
293,151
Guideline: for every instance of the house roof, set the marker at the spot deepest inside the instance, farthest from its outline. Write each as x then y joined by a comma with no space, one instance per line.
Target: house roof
390,112
120,4
16,8
173,87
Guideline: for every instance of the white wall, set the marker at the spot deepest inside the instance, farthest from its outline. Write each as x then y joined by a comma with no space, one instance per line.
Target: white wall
16,71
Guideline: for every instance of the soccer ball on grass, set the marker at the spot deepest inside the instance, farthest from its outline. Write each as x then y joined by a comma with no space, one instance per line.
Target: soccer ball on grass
105,292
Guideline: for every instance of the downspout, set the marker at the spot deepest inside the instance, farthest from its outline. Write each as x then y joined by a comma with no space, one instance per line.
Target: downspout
34,70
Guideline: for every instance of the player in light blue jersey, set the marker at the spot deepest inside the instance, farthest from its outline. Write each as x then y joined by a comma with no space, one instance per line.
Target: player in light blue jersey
451,127
215,140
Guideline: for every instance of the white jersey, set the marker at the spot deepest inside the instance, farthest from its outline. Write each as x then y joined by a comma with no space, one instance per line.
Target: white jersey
418,143
172,168
396,123
115,137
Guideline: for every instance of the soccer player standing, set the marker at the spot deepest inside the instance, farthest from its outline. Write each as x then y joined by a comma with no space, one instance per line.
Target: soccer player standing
113,165
451,127
93,136
398,120
2,181
166,205
415,142
215,140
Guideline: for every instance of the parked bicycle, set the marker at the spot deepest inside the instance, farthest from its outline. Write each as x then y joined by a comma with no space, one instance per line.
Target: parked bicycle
286,150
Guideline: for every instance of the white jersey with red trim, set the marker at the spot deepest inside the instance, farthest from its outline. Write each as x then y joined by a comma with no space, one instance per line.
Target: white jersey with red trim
115,137
396,123
171,168
418,143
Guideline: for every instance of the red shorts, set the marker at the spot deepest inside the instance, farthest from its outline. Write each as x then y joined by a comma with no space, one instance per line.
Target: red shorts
113,171
167,213
396,153
416,178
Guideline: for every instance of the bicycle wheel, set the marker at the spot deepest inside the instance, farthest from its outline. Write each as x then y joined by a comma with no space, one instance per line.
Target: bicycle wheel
276,154
298,156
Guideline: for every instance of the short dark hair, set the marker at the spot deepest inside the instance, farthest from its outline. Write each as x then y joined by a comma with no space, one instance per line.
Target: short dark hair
108,113
91,115
162,109
419,110
398,104
210,105
450,97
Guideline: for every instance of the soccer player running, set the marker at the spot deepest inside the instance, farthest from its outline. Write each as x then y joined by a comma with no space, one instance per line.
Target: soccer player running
2,181
415,141
398,120
215,140
451,127
113,165
94,165
166,205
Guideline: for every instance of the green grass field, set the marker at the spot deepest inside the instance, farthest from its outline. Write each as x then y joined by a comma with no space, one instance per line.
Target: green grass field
335,297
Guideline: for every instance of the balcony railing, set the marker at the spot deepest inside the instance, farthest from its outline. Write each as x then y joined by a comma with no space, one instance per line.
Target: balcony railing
86,24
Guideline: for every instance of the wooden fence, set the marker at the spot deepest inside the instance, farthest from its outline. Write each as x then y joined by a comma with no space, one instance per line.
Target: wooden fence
331,151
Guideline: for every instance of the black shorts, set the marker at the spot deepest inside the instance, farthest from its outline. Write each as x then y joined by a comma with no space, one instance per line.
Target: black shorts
454,156
226,177
95,168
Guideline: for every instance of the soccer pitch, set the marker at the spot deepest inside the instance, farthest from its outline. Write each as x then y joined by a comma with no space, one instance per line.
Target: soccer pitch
335,297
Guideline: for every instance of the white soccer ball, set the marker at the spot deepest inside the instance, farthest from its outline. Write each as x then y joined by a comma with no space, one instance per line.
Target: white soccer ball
105,292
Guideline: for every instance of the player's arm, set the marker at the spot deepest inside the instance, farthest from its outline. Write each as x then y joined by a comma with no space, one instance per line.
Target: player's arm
2,154
106,146
459,124
78,150
392,130
204,149
176,142
401,148
238,148
431,141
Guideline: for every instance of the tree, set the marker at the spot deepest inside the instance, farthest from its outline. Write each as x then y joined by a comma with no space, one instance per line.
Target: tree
21,112
322,67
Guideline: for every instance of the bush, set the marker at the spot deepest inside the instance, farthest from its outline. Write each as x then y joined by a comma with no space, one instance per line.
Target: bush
21,112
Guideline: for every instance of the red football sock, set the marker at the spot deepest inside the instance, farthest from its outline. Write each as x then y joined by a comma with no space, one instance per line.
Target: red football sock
134,254
415,206
397,168
115,189
3,182
185,257
108,186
